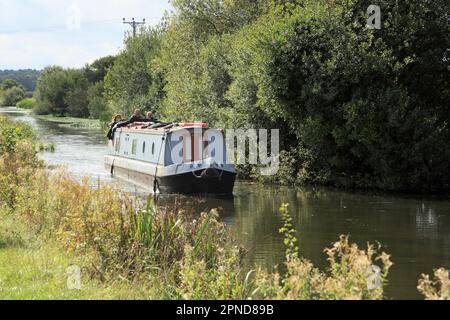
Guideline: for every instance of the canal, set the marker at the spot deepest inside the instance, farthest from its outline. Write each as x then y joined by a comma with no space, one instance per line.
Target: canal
415,230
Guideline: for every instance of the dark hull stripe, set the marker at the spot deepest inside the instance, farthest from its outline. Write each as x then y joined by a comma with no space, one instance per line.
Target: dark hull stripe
185,183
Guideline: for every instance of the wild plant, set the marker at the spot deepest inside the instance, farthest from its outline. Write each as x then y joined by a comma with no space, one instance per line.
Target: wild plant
438,288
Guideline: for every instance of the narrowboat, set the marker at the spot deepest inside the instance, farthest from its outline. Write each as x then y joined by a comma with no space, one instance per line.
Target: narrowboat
172,158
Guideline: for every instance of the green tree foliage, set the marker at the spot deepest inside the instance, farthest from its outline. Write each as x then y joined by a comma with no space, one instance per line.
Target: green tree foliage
97,71
27,78
97,102
9,84
11,92
51,90
133,82
76,97
357,107
195,56
74,92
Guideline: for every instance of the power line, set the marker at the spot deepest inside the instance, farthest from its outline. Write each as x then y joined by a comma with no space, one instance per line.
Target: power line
64,27
134,24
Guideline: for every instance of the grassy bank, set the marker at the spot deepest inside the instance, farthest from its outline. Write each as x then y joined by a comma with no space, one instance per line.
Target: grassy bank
72,121
128,250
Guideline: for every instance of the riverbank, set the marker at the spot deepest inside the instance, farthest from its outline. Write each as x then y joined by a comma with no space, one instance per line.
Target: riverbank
72,121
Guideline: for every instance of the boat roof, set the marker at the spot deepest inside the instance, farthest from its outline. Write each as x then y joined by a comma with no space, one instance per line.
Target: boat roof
140,127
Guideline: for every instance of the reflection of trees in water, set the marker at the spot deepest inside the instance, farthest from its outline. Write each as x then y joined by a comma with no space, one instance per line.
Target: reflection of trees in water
258,221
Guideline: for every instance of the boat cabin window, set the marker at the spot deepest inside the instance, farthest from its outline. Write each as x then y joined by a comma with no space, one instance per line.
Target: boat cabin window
143,148
134,147
153,148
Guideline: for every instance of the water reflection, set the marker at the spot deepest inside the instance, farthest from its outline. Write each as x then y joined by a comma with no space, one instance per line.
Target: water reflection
415,231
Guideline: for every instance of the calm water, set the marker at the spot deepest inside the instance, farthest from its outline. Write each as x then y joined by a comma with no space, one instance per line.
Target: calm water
414,230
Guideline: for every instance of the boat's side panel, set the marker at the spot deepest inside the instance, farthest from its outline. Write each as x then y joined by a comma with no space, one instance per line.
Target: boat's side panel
134,165
139,146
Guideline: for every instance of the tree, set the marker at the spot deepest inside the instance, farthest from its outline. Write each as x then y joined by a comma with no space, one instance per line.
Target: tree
98,70
194,57
27,78
97,102
51,89
76,95
11,92
9,83
131,82
11,96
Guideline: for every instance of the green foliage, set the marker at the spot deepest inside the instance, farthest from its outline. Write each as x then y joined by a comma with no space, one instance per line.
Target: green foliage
195,56
62,92
288,230
28,103
76,97
11,92
12,134
50,91
98,70
27,78
97,103
9,84
46,147
74,92
132,83
357,108
10,97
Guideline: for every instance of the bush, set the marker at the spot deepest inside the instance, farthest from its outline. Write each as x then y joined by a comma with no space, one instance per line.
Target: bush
63,92
11,134
131,79
97,103
29,103
11,96
439,289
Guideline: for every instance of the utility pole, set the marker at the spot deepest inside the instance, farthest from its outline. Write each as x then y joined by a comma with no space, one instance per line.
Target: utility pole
134,24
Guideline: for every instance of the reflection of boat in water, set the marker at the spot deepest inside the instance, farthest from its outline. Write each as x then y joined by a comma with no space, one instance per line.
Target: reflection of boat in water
195,204
172,158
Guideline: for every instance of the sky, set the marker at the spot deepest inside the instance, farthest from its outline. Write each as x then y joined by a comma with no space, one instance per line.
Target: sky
70,33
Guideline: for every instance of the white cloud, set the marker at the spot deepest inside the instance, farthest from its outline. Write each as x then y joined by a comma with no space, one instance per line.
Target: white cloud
68,33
